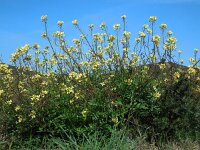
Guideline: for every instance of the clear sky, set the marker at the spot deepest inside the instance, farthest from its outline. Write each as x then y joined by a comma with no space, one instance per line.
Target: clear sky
20,19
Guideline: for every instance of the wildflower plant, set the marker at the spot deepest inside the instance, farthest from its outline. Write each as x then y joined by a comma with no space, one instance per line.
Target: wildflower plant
65,89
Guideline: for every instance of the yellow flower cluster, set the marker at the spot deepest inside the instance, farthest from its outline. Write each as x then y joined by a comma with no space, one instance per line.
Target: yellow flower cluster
142,34
196,50
128,81
138,40
176,76
76,76
35,99
152,18
156,40
115,120
192,60
162,66
169,33
60,23
75,22
116,26
145,26
32,114
102,25
123,17
163,26
91,26
170,44
111,38
44,18
127,34
58,34
191,70
1,92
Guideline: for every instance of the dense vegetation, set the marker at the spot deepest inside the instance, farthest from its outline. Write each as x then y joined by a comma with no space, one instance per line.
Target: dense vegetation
101,84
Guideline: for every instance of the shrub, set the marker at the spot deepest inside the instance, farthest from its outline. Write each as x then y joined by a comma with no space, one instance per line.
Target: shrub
114,84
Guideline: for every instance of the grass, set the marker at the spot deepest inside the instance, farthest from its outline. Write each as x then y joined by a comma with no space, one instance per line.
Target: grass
119,140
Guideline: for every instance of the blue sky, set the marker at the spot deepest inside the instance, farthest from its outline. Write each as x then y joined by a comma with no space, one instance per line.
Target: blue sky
20,19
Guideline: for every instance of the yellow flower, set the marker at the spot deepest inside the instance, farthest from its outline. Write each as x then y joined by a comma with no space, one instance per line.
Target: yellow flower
191,70
77,95
112,75
72,75
45,51
60,23
149,31
197,89
123,17
113,103
170,43
20,119
162,66
96,36
103,34
1,92
169,32
102,83
182,61
102,25
82,36
69,90
127,34
128,81
32,114
36,77
35,98
91,26
196,50
44,18
43,93
84,113
75,22
153,57
138,40
152,18
176,75
17,108
58,34
142,34
192,60
135,58
157,94
36,46
52,61
156,40
163,26
9,102
71,101
115,120
113,89
111,38
145,26
116,26
14,56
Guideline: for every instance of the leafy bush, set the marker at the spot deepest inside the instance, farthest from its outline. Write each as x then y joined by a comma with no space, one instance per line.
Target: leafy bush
65,89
